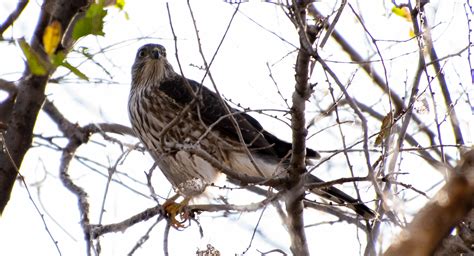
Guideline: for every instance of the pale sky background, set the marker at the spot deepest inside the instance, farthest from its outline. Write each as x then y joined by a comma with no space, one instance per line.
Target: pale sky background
241,74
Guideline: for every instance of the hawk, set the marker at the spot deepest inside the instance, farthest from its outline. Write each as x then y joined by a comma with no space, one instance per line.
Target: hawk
170,114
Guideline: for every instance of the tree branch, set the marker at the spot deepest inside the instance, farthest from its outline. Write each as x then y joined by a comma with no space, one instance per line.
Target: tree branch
297,169
377,78
30,97
437,219
99,230
13,16
6,106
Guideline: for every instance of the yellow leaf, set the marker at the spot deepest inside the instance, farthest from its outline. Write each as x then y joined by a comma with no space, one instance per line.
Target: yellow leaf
52,37
412,33
120,4
403,12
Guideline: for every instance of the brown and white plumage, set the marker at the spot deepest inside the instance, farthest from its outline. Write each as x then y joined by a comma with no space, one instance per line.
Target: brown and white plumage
158,95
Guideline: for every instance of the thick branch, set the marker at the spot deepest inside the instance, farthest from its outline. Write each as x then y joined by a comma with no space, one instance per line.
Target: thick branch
6,105
295,194
71,130
30,97
437,219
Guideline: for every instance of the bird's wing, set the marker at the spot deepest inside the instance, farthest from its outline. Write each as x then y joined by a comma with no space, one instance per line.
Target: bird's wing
213,112
212,109
339,197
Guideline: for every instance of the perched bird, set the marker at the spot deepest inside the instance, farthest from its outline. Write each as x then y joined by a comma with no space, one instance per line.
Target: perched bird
171,114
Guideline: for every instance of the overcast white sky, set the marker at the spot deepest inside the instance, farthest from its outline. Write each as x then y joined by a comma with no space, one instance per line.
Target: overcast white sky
241,74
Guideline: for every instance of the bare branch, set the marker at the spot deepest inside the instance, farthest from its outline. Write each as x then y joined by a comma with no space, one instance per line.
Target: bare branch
30,97
238,208
363,121
81,194
6,106
145,237
22,179
378,80
13,16
333,24
302,92
343,139
327,184
208,73
437,219
447,96
99,230
242,178
166,236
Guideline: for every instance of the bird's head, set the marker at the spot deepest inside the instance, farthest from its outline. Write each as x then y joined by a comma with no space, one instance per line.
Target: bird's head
151,66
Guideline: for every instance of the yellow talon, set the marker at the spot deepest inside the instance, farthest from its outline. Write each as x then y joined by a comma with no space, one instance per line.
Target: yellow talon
173,209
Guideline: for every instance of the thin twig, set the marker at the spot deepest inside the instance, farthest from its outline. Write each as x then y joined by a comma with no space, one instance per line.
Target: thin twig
22,179
254,231
327,184
362,118
238,208
145,237
166,236
379,53
447,97
99,230
333,24
13,16
208,73
276,86
343,138
243,178
378,80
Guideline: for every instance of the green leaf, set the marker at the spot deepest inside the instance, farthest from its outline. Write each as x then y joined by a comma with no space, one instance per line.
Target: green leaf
37,65
58,58
92,23
74,70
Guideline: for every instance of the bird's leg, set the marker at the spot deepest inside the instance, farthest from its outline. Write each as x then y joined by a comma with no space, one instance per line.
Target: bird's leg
172,209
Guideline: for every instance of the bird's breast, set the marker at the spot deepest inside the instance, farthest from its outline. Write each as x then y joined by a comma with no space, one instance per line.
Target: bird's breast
155,117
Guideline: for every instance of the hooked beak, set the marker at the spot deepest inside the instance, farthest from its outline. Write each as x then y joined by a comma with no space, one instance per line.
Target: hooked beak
155,54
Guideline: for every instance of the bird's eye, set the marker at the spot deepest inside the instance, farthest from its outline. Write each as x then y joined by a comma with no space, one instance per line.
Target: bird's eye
141,53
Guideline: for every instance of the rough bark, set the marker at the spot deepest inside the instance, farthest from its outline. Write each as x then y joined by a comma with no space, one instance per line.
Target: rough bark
297,170
437,219
30,97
